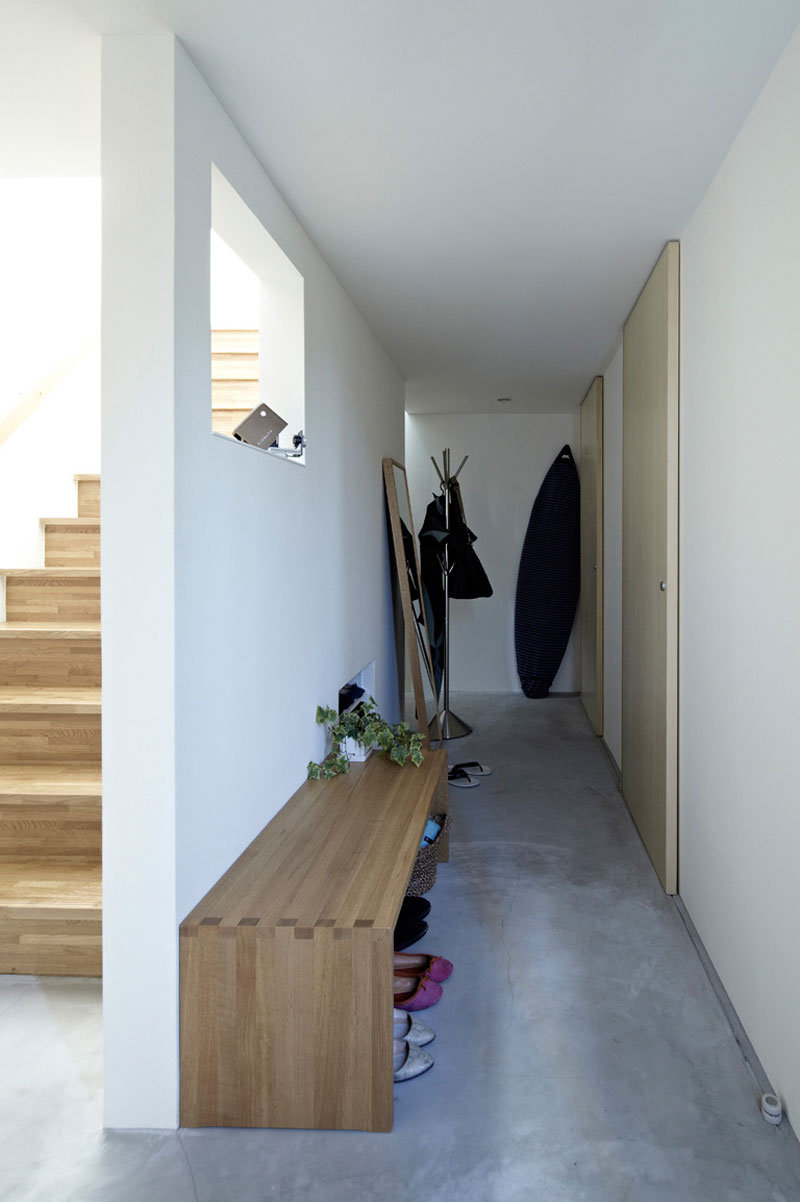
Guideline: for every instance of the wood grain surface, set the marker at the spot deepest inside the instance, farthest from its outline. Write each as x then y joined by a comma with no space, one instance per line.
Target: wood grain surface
50,811
61,595
88,496
71,542
234,377
286,964
50,918
50,749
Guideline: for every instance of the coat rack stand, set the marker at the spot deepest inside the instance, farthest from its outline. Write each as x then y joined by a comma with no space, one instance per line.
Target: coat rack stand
452,727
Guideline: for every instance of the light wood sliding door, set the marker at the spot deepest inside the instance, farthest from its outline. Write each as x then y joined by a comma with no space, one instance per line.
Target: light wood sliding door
650,565
591,473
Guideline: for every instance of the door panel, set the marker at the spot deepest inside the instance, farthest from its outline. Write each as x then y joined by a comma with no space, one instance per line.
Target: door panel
591,473
650,565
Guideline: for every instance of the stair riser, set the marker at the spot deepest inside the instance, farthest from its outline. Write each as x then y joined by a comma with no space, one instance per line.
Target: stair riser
225,421
47,943
75,546
89,498
50,738
234,365
234,342
50,662
37,599
52,827
234,394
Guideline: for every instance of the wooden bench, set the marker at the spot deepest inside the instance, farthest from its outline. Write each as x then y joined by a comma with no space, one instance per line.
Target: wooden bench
286,963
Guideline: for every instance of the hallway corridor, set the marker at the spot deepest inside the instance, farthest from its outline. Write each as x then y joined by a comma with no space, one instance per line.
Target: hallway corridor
581,1054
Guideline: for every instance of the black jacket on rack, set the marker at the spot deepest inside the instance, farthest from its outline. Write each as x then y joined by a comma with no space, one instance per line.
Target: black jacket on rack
467,578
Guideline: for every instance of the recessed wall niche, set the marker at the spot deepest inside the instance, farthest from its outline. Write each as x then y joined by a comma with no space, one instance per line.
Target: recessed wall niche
257,326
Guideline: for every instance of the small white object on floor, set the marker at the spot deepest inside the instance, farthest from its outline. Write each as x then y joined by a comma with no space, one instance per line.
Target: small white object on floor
771,1108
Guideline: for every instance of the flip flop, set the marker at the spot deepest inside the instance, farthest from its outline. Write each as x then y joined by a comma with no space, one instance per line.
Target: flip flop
473,768
461,779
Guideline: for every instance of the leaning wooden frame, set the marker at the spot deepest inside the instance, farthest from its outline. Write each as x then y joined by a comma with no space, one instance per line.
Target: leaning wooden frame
417,639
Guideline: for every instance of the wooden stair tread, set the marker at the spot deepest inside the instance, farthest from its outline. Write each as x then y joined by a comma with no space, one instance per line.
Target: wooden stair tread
66,522
51,700
48,780
80,477
50,885
55,573
49,630
234,342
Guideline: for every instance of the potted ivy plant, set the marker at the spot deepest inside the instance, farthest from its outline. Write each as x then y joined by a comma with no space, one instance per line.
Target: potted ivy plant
364,726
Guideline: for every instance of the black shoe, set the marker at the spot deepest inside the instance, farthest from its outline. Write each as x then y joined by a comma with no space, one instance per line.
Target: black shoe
414,908
407,933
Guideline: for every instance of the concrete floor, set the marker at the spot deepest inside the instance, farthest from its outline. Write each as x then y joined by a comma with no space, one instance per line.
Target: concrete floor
581,1054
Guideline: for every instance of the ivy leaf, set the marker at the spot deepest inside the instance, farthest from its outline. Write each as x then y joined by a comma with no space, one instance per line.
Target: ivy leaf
314,771
416,756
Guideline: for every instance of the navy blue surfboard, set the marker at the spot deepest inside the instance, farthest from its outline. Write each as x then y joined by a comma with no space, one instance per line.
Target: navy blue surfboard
549,580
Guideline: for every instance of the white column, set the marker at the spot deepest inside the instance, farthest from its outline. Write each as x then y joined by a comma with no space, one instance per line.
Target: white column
138,583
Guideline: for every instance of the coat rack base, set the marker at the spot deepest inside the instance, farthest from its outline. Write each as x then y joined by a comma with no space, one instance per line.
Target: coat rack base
452,726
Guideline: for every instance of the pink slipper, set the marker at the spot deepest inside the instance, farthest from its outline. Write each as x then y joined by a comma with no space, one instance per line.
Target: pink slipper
435,967
426,993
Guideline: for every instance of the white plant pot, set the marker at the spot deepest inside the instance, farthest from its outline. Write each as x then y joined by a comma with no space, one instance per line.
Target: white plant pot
356,752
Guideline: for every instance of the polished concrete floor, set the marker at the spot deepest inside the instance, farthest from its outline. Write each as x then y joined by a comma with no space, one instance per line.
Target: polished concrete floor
581,1054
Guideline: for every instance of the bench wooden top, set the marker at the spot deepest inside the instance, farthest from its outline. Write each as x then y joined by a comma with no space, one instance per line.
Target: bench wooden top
339,853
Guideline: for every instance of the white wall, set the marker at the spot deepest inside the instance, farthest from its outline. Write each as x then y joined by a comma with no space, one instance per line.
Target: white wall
281,586
740,570
235,289
509,455
50,91
612,556
140,915
50,319
39,460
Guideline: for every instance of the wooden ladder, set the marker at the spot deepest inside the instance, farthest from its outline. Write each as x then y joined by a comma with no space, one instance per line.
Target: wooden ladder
50,791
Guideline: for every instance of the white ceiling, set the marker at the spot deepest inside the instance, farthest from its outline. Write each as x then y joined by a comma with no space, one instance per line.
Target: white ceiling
491,180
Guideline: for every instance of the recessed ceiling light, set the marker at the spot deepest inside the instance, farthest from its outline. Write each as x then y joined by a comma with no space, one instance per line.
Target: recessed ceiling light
503,400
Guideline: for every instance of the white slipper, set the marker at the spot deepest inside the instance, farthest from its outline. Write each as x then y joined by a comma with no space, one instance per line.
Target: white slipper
460,779
410,1061
413,1030
473,768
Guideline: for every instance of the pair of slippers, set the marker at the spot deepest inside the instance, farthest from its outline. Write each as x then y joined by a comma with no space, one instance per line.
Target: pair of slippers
462,775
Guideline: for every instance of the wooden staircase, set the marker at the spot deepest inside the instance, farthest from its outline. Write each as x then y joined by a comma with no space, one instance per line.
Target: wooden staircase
50,792
234,377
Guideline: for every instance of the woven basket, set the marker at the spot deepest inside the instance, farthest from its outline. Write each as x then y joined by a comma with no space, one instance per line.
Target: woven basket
423,874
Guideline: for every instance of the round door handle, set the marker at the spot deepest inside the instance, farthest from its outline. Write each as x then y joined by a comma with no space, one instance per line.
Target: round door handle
663,586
